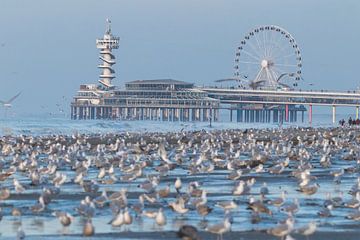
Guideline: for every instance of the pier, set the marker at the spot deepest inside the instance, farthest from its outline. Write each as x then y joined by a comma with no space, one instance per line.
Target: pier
271,96
253,105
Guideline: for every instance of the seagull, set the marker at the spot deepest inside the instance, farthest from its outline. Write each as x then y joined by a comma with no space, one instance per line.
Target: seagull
355,215
18,187
20,234
88,229
283,229
178,207
309,189
7,104
118,220
4,193
188,232
38,207
264,190
227,205
278,202
149,214
160,218
178,184
308,230
127,217
64,218
325,211
203,210
220,228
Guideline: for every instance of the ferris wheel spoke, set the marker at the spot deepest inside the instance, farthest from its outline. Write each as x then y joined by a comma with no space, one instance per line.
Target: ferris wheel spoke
257,52
282,50
258,44
285,65
271,44
268,41
247,62
287,56
251,55
264,42
276,45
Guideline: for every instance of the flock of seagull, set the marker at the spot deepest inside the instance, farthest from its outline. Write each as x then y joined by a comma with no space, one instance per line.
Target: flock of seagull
158,173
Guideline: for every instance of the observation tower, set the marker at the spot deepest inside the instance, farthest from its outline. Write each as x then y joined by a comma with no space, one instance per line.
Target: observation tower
106,44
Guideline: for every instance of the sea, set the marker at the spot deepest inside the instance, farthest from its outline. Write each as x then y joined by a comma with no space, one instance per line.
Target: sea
62,124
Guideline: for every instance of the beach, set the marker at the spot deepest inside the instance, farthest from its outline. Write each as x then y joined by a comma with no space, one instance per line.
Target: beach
132,159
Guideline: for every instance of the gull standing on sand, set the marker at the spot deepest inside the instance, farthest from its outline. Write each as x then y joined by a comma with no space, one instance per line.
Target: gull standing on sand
307,230
127,217
160,218
354,215
118,220
178,185
220,228
4,193
20,234
227,205
283,229
179,206
64,218
278,202
18,187
38,207
88,229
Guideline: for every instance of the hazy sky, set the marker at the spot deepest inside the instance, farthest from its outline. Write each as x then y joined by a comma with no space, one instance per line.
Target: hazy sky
47,48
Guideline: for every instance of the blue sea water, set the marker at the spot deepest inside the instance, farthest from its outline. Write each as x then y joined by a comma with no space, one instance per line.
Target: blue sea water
47,125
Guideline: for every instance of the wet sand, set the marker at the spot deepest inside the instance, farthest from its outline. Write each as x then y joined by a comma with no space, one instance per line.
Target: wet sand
204,235
43,225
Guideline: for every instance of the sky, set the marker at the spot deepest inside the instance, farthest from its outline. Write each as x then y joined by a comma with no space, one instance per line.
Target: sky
47,48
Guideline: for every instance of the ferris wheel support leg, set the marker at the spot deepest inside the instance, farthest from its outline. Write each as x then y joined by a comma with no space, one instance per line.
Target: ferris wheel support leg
310,114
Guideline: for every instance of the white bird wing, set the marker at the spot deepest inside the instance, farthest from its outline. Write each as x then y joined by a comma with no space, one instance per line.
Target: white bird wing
13,98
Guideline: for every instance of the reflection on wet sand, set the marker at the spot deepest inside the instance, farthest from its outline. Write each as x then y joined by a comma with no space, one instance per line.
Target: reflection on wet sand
285,182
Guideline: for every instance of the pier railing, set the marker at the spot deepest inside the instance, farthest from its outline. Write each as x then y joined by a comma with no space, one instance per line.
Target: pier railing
232,96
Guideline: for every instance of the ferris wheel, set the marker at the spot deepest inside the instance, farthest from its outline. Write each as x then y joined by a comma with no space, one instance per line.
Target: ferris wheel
268,58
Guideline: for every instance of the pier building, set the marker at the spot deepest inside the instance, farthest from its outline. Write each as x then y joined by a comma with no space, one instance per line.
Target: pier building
162,99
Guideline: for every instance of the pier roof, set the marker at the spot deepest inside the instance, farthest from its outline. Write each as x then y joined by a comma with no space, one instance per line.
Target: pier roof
158,84
159,81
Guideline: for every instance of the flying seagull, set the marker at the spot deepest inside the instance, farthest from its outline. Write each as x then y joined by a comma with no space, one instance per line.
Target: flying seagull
8,104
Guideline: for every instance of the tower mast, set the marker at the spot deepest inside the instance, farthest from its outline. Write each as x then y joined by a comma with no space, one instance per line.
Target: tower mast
106,44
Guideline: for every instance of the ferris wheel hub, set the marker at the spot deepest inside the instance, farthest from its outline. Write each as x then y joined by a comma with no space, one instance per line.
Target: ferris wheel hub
264,63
